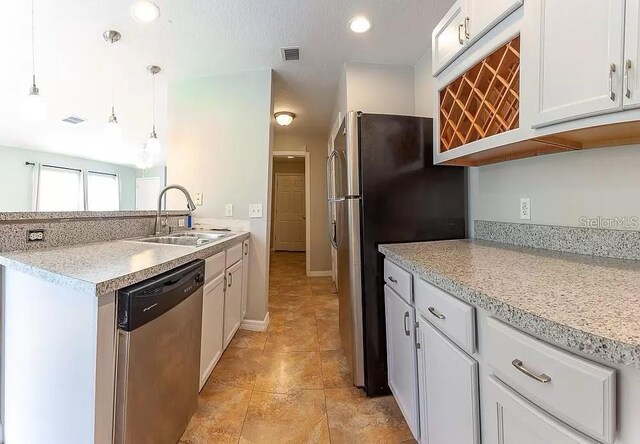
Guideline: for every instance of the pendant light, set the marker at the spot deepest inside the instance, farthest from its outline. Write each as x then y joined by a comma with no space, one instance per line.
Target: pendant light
153,144
113,130
34,108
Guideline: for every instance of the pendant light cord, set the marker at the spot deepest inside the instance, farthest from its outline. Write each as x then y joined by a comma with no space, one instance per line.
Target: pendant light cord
154,101
33,42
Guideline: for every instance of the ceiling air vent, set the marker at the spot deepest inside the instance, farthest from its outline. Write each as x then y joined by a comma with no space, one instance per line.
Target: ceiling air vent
291,53
74,120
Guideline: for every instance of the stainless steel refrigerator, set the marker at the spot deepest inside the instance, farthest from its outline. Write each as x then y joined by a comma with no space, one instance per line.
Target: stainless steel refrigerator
383,188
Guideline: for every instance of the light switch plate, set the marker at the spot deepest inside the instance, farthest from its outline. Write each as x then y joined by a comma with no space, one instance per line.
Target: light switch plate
255,211
198,199
228,210
525,208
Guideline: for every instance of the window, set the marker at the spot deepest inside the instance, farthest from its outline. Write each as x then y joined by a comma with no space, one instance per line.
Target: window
103,192
59,189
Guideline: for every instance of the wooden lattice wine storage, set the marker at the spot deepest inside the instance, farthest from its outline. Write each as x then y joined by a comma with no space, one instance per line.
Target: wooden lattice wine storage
484,101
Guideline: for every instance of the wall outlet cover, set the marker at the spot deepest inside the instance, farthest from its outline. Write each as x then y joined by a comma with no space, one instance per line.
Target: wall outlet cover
35,235
255,211
181,222
228,210
525,208
198,199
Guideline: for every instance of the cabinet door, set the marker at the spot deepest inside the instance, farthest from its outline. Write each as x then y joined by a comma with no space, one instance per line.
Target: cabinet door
212,327
631,67
401,357
580,72
245,277
451,390
480,15
448,39
515,420
232,302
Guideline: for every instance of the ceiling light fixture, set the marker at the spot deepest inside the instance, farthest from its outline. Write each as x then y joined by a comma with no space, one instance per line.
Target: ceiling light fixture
145,11
360,24
284,118
290,157
153,144
113,129
34,107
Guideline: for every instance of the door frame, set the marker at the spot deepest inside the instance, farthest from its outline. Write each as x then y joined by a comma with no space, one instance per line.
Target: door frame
307,209
275,209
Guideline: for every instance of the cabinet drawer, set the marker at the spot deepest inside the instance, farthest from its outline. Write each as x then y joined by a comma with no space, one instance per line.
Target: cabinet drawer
448,314
214,266
398,279
576,391
234,254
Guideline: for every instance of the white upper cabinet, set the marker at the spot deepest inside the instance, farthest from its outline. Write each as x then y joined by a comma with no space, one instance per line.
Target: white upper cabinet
580,60
482,15
448,38
401,356
631,64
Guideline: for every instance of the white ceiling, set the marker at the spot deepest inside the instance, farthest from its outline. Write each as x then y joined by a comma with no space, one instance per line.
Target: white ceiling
193,38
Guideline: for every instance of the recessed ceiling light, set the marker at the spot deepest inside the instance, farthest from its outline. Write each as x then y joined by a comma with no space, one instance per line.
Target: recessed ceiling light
290,157
145,11
284,118
360,24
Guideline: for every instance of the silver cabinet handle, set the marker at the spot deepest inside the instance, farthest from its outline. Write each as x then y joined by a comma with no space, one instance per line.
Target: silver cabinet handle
467,33
612,69
520,366
627,68
460,39
230,280
436,314
407,332
393,280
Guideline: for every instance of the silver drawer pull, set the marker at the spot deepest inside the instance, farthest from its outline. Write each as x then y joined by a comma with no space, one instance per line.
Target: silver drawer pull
540,378
393,280
436,314
407,332
612,69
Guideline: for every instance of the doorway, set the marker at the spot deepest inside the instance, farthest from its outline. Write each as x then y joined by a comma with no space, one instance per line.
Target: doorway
290,202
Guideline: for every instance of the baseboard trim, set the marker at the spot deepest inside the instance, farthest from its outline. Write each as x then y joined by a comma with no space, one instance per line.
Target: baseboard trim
316,274
251,325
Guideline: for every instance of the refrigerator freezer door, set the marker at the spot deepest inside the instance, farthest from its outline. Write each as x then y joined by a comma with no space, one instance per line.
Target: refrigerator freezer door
349,287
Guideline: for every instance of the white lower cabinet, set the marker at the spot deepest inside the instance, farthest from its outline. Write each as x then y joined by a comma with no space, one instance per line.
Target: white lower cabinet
232,302
401,357
245,277
448,386
514,420
212,327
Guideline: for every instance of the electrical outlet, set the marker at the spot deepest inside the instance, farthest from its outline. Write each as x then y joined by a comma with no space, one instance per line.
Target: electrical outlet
35,235
198,199
525,208
228,210
255,211
181,222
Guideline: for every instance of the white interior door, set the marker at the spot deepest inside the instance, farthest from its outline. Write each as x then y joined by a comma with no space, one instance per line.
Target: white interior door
147,191
290,234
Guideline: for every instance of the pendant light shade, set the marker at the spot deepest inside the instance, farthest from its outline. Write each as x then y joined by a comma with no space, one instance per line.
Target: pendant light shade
153,146
34,108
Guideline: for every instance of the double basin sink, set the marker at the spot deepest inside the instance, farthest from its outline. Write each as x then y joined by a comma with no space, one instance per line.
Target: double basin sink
187,239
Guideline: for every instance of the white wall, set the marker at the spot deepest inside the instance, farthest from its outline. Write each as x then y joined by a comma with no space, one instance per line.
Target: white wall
219,144
316,145
376,88
17,177
424,86
563,187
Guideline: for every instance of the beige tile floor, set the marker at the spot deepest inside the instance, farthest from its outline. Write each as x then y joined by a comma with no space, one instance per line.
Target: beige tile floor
291,383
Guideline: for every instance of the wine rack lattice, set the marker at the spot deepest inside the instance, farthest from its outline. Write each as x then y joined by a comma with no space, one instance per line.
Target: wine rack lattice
484,101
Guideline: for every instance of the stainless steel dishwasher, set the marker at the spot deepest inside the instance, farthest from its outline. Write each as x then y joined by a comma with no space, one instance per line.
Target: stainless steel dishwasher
159,328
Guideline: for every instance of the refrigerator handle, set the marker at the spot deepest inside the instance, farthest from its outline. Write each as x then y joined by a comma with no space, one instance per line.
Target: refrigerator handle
331,224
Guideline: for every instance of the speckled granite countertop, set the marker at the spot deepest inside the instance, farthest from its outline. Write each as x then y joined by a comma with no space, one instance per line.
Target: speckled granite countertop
585,303
99,268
